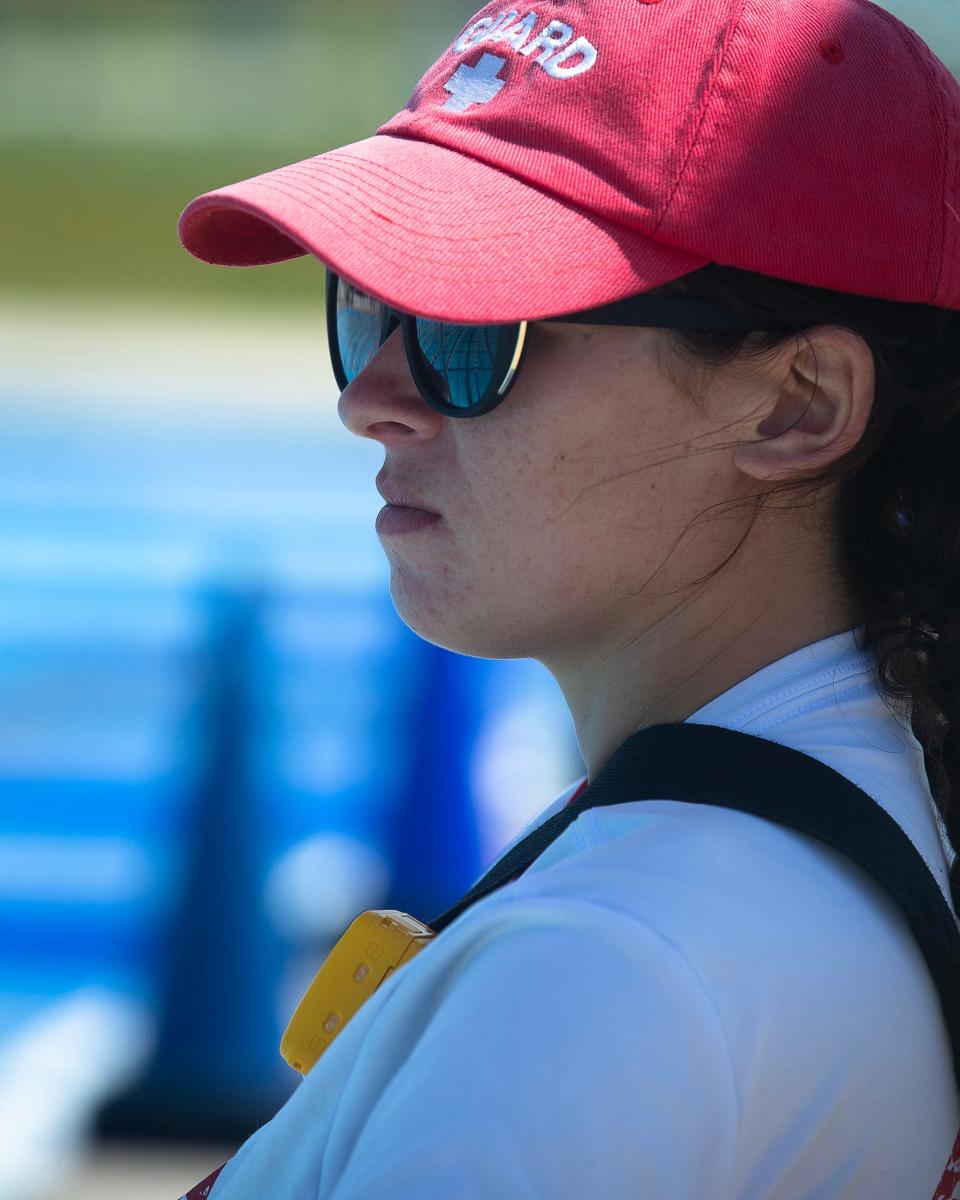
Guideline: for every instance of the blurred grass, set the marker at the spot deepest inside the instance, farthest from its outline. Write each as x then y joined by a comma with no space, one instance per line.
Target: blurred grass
95,218
160,14
114,116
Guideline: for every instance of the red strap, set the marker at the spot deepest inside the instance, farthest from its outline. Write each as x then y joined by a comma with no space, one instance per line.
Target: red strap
949,1187
576,796
202,1190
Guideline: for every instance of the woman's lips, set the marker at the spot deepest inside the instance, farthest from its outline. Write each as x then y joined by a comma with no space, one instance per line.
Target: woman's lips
400,497
395,519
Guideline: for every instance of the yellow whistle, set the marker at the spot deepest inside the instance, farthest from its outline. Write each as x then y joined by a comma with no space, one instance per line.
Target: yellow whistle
372,948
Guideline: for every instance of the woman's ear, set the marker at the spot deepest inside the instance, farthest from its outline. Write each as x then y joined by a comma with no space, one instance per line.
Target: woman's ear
818,406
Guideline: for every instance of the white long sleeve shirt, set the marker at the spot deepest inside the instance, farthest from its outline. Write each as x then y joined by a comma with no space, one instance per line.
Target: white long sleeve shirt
674,1001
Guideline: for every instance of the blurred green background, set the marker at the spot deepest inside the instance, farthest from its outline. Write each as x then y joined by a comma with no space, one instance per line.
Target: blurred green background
113,116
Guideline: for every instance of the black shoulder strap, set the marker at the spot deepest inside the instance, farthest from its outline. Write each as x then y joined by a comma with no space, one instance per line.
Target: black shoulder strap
708,764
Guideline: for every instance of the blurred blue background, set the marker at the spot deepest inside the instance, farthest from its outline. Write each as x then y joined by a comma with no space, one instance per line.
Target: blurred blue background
218,742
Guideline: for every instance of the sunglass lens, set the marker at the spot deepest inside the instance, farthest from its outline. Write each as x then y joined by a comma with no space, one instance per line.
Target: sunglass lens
359,327
463,358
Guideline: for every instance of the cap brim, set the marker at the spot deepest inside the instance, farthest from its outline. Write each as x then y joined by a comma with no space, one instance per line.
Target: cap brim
430,231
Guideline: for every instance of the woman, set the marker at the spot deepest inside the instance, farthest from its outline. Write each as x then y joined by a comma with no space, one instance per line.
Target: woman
737,505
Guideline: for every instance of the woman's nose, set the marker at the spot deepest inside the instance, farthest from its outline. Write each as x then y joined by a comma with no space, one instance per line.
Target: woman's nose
383,403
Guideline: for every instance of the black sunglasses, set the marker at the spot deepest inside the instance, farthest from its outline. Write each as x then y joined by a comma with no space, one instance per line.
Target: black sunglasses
466,370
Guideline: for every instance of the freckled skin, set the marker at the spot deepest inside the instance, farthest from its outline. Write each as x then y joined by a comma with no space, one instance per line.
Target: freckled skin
570,517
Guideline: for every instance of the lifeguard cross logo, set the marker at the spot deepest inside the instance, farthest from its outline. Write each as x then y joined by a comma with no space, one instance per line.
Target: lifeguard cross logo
556,48
474,85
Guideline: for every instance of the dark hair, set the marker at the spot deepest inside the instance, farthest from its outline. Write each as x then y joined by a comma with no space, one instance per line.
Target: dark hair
897,497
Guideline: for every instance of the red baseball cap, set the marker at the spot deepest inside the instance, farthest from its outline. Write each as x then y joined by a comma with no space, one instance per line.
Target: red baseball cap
558,159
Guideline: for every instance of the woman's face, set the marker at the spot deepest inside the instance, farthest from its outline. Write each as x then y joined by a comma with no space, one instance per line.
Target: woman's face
561,508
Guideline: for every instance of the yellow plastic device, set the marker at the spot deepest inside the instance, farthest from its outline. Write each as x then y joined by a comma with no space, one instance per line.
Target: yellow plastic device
373,947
